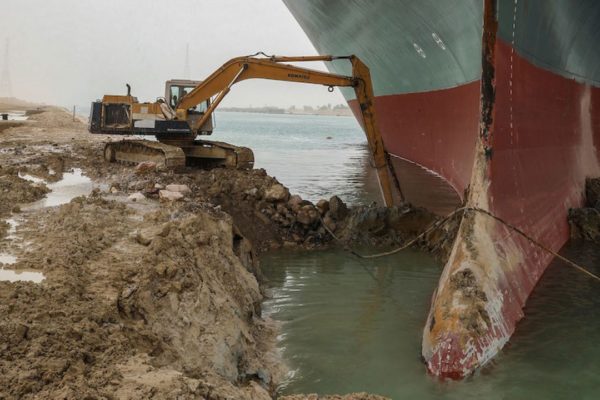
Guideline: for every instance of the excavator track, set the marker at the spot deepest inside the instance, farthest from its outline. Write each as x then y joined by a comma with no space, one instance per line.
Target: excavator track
200,153
220,154
137,151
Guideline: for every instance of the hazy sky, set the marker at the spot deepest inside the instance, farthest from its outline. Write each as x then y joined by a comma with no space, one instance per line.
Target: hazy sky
70,52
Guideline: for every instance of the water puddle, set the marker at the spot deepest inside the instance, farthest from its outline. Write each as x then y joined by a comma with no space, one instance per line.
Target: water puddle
72,185
6,258
12,230
31,178
16,115
20,276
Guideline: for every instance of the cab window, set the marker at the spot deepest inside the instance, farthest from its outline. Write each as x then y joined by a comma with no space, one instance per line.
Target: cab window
174,97
202,107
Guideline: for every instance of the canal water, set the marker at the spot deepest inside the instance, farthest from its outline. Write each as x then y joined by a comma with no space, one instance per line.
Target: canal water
352,325
315,156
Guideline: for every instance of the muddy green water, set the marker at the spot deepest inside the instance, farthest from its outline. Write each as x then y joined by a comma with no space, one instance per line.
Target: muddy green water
354,325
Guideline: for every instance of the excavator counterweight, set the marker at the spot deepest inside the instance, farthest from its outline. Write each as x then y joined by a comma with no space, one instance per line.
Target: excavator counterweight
186,111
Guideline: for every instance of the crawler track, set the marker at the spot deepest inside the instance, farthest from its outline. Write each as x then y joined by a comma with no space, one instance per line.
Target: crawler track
137,151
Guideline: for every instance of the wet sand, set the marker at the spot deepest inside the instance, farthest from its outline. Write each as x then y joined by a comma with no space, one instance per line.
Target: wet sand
109,291
106,297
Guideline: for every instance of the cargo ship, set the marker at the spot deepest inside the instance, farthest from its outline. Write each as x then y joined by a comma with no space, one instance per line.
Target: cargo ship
490,103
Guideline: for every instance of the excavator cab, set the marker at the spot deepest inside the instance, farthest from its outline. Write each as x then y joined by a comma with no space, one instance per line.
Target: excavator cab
176,89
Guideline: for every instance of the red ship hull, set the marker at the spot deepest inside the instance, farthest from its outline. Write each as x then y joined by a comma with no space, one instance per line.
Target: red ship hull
489,103
543,146
433,166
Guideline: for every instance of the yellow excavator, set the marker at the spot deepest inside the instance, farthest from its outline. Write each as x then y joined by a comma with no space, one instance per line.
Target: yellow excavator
186,111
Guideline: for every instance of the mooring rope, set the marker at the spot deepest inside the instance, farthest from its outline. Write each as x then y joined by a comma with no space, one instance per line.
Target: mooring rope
439,223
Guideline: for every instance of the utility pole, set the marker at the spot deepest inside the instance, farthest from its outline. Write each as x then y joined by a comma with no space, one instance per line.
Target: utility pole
5,84
186,68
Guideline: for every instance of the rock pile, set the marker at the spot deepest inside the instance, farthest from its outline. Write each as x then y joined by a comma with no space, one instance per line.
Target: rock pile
266,213
585,222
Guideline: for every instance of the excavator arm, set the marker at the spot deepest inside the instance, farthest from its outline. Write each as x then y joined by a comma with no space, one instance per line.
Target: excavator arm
219,83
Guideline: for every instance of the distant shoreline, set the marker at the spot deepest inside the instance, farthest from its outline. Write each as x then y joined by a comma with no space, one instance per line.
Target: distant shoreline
333,112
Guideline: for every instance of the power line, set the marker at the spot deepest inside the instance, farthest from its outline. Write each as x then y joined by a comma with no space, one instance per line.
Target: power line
5,83
186,68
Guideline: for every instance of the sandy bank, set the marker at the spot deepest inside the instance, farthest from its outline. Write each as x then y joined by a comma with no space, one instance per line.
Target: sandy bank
144,297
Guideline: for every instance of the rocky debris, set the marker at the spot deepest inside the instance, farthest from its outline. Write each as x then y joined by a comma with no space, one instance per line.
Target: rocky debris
145,167
592,193
337,208
329,223
167,195
379,225
136,185
183,189
440,241
585,222
137,196
295,202
323,206
269,217
351,396
308,215
277,193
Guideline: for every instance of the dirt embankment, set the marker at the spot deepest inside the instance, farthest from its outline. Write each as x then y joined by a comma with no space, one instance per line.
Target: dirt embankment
140,299
134,308
264,211
150,298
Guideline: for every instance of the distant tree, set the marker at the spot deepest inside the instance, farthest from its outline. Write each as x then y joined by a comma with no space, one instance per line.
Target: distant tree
308,108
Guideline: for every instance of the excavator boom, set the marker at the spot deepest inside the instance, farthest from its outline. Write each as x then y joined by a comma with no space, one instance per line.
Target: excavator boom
219,83
177,129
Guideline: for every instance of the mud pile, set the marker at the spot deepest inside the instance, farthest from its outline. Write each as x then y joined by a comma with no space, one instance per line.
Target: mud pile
267,214
13,191
134,308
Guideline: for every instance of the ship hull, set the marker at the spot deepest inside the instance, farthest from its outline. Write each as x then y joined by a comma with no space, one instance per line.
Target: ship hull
433,169
516,123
